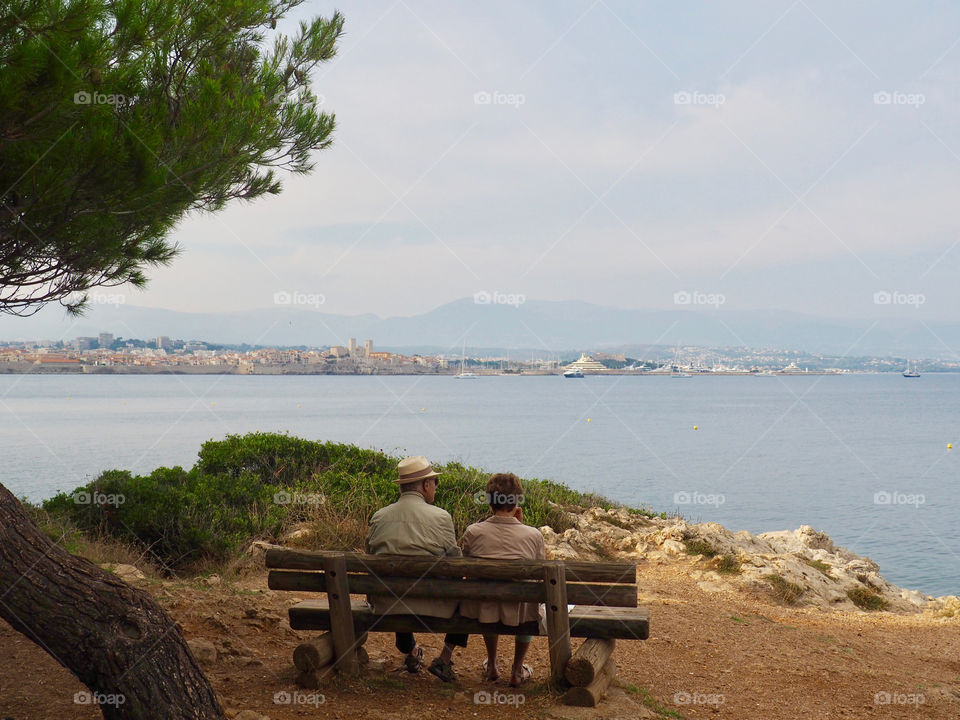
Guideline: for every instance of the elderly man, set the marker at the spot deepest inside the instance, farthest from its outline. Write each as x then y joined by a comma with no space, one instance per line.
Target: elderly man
414,526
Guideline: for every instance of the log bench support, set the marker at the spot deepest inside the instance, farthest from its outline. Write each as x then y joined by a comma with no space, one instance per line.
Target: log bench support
604,594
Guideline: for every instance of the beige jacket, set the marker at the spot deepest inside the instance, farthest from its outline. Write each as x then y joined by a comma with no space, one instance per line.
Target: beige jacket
503,538
411,526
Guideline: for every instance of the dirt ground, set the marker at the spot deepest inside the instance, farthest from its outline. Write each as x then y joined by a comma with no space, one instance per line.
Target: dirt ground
709,656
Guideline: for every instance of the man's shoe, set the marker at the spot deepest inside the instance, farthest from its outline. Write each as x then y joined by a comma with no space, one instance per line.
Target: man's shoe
414,660
443,670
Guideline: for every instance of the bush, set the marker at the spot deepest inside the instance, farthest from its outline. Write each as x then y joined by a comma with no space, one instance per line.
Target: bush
193,518
784,590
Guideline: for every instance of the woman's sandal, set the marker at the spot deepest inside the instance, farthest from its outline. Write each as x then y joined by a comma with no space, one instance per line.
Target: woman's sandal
486,673
442,670
526,672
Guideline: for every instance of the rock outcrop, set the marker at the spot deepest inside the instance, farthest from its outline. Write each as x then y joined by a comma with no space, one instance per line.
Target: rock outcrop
804,564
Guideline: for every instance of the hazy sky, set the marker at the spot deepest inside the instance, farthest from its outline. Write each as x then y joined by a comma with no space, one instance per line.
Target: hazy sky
791,155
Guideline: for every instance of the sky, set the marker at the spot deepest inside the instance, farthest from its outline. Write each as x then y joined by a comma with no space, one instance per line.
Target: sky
799,156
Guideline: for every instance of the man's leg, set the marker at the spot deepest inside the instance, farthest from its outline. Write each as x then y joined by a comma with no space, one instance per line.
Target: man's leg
407,644
442,666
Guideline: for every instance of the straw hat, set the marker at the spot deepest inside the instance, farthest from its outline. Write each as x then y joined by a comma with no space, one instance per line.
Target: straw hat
412,469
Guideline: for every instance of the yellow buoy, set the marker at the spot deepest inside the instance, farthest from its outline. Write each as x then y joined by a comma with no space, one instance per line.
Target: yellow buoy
298,404
695,427
588,419
423,409
949,446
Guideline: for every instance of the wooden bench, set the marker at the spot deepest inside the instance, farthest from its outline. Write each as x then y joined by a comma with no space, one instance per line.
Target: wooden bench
603,596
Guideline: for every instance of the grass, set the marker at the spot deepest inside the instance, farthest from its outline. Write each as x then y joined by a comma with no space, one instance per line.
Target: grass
727,565
783,590
739,620
698,546
644,696
867,599
819,565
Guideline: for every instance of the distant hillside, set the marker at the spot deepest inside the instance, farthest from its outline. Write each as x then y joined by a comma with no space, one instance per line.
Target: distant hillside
542,327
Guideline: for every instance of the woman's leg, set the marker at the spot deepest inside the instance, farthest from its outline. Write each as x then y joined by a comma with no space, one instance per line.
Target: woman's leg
519,653
491,642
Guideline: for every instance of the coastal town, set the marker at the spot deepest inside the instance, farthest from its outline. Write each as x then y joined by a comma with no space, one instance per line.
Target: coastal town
107,353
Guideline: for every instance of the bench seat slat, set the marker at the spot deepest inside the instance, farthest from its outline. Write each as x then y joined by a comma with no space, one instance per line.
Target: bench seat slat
597,622
417,567
520,591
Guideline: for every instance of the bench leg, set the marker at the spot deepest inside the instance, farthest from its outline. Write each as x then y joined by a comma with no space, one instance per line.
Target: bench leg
341,618
558,621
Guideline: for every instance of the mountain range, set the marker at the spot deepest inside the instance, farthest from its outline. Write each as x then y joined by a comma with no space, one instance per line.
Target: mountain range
538,327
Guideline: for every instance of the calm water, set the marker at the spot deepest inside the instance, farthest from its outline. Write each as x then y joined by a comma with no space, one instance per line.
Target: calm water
781,451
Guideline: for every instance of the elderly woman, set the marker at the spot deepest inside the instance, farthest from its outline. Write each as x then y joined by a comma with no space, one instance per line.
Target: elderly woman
502,536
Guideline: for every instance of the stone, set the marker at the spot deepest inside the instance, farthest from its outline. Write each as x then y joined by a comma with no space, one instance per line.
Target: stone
127,573
203,650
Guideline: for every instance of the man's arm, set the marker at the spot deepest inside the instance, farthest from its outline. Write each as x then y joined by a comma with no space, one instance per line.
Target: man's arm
449,539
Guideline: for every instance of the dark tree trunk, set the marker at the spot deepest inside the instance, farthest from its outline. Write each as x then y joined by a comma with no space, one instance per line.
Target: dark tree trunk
116,639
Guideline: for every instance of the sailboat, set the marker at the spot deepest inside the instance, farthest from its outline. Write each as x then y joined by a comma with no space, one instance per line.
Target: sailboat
464,375
911,373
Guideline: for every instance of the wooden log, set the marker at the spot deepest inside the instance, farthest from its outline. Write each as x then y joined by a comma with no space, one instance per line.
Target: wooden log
416,567
341,619
314,654
592,694
519,591
626,623
558,621
588,661
318,653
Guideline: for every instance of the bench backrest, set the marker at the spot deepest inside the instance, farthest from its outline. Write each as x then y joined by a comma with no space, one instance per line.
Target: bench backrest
587,583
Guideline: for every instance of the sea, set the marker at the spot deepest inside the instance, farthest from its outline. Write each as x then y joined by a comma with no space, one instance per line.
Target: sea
864,458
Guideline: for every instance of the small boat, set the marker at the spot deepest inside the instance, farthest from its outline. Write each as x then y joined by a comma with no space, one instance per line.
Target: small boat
574,372
908,373
463,374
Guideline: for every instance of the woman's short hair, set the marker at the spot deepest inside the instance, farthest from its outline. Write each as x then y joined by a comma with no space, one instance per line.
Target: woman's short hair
504,491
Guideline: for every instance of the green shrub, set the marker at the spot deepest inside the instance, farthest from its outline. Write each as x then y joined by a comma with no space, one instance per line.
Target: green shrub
698,546
193,518
727,565
819,565
866,599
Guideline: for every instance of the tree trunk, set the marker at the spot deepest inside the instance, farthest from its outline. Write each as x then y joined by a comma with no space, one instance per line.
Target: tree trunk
116,639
